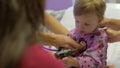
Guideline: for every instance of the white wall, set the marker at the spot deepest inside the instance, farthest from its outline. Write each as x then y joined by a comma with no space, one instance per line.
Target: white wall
114,1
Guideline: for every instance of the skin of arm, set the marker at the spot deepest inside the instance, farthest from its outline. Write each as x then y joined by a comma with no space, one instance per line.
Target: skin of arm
111,23
113,35
53,25
57,40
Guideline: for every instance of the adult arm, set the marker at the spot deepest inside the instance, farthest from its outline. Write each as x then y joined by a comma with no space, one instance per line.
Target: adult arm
113,29
54,25
113,35
56,40
111,23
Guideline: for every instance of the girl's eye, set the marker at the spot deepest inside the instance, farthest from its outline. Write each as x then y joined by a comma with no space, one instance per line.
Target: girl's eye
87,24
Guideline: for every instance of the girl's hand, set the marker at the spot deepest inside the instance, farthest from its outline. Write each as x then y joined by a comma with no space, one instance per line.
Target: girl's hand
70,62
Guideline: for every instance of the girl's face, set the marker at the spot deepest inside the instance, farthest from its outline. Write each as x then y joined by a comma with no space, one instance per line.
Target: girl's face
86,23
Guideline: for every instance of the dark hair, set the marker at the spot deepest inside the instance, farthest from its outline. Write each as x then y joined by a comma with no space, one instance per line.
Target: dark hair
89,6
19,20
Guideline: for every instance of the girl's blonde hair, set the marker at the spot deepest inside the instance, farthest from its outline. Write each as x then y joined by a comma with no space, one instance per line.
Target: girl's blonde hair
89,6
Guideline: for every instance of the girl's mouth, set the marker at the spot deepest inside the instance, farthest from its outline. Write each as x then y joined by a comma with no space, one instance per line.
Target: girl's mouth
82,31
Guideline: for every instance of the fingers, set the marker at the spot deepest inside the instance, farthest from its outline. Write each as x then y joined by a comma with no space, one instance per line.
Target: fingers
65,59
68,47
83,43
112,35
110,32
68,42
66,62
74,44
101,25
104,23
71,62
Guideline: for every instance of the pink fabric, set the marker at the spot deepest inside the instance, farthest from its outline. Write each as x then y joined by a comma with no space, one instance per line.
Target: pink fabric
96,53
36,57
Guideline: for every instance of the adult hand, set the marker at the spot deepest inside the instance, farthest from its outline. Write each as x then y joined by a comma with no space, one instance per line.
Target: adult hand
113,29
110,23
56,40
65,41
105,22
113,35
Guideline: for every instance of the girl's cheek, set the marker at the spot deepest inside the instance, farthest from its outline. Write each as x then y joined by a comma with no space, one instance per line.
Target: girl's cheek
77,25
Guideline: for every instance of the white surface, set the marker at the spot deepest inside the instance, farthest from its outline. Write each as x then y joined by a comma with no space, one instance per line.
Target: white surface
114,54
112,11
68,19
114,1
